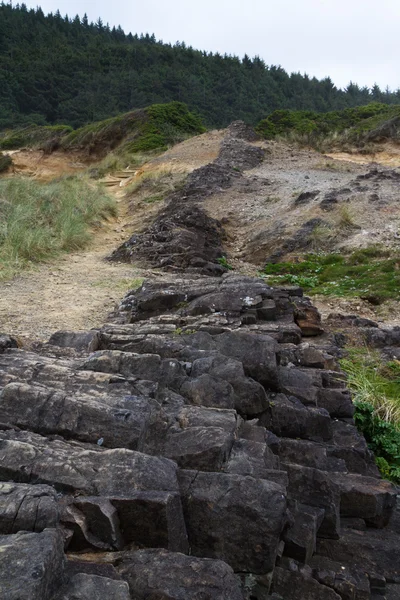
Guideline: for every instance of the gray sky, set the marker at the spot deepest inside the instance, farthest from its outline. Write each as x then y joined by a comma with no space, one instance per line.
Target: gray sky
347,40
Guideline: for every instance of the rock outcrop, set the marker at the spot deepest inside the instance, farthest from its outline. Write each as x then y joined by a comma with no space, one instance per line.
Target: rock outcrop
200,445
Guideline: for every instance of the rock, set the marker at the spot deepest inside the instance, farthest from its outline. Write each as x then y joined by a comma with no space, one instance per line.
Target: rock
217,511
350,446
158,574
85,468
307,317
89,341
316,488
92,587
251,458
288,417
84,417
27,508
295,585
365,497
31,565
306,197
301,537
7,342
347,581
256,353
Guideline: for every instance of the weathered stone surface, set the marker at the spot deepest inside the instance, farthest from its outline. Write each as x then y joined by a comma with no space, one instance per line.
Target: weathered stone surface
366,497
301,536
160,575
256,353
27,508
296,585
88,341
372,551
288,417
219,507
88,418
251,458
93,523
92,587
31,565
6,341
28,457
308,454
315,488
347,581
350,446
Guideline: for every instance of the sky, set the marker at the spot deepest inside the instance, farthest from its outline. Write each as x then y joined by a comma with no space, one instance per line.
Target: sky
346,40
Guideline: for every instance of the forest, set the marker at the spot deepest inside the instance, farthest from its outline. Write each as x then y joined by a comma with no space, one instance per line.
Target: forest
55,69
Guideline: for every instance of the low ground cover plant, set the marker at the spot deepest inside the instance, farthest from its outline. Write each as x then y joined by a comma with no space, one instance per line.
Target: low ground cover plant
364,273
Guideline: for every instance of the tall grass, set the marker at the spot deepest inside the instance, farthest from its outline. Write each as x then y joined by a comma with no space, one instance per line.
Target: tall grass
40,220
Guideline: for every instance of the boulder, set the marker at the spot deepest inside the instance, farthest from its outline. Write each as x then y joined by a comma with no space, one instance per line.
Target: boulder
83,586
82,467
219,507
26,507
158,574
31,565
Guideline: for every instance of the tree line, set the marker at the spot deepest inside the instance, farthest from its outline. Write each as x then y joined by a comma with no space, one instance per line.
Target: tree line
56,69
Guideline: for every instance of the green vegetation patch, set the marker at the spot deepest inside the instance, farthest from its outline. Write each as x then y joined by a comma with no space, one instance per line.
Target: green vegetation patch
166,125
376,394
312,126
370,272
5,162
39,221
33,136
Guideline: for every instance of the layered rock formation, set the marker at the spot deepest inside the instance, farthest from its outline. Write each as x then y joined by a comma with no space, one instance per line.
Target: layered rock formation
200,446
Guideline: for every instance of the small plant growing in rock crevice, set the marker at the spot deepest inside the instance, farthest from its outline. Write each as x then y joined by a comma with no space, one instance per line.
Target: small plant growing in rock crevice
222,260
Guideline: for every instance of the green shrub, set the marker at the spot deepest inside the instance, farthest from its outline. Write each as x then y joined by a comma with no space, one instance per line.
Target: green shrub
34,136
383,438
38,221
375,386
351,125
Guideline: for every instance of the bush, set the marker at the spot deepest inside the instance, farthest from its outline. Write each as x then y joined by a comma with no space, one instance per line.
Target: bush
376,394
383,439
352,125
38,221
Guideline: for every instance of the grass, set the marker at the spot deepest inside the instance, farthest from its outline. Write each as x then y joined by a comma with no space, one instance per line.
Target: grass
376,393
154,186
39,221
118,161
370,272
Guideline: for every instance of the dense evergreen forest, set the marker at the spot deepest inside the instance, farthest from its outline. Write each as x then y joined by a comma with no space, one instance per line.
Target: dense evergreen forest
55,69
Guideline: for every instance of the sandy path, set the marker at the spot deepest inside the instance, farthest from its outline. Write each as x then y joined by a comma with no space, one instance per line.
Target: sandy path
78,291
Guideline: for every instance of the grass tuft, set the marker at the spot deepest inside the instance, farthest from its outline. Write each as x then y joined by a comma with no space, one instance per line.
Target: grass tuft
39,221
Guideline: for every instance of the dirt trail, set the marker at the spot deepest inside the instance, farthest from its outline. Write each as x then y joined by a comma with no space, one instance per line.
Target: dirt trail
78,291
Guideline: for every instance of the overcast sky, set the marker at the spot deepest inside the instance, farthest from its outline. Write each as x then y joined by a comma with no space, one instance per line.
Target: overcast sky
347,40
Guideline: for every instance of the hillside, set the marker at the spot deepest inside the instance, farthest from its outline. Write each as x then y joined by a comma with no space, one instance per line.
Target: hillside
55,70
200,441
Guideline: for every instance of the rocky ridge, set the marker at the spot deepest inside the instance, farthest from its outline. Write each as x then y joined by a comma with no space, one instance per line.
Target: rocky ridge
200,445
